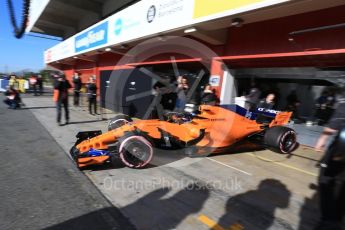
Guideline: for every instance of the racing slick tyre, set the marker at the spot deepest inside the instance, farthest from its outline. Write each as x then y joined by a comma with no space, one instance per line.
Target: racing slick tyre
118,121
135,151
75,155
280,139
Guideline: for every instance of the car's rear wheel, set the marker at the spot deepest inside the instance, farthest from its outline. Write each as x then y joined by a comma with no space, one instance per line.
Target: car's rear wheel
281,139
135,151
118,121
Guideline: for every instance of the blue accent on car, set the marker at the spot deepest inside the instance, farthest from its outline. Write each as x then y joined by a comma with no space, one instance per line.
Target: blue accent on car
266,112
252,115
96,153
240,111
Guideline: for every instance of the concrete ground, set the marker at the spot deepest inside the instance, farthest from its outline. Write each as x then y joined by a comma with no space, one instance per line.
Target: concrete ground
250,190
40,188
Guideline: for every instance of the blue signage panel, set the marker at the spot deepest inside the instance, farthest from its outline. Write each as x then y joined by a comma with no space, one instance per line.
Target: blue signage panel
3,85
94,37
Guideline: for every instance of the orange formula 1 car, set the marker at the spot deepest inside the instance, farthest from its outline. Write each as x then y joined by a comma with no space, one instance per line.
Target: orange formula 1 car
211,130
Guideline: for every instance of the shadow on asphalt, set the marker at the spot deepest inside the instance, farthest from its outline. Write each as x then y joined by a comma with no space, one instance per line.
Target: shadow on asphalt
255,209
149,212
42,107
310,211
155,212
83,122
103,219
106,166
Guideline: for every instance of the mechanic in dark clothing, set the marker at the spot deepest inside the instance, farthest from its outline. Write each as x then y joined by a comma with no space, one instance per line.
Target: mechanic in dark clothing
182,91
77,87
332,173
252,98
268,102
324,106
165,88
208,97
92,95
62,85
40,84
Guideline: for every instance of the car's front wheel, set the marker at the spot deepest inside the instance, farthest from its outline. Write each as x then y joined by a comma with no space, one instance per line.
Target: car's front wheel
135,151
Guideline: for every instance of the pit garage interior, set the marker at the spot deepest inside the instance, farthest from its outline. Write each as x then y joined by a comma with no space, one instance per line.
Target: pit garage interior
294,45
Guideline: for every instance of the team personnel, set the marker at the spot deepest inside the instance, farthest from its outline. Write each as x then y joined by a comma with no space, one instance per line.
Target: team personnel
252,99
40,84
77,87
92,95
182,89
268,102
332,173
61,86
208,97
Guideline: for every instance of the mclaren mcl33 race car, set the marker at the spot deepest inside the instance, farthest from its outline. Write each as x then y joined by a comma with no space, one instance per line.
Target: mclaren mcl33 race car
211,130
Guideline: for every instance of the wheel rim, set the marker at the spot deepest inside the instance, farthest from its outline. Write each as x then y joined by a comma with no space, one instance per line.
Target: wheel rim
134,152
288,142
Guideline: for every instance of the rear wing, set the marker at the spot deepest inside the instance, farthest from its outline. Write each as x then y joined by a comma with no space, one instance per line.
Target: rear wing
274,117
281,118
271,116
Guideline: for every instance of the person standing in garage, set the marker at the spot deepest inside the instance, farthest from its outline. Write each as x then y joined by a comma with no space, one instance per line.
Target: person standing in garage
268,102
252,99
92,95
77,87
208,97
182,89
332,173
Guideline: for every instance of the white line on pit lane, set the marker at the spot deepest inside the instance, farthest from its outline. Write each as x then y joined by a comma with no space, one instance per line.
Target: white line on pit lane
247,173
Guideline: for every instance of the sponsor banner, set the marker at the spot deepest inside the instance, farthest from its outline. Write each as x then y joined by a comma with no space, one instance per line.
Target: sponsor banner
211,9
3,85
92,38
214,80
149,17
60,51
208,7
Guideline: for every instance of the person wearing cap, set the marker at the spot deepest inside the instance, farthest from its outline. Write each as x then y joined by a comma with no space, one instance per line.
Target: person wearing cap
62,86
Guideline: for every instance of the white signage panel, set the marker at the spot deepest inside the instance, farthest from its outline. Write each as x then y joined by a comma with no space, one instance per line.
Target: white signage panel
60,51
147,18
